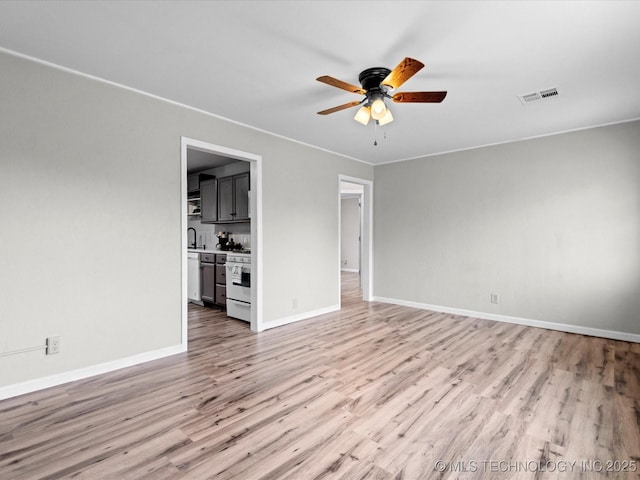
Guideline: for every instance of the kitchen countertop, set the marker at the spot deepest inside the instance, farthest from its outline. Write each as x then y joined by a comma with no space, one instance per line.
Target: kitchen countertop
226,252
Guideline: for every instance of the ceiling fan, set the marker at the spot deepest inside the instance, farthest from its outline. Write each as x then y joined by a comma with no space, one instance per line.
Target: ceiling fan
376,83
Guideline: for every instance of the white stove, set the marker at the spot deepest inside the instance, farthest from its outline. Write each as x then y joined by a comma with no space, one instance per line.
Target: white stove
239,286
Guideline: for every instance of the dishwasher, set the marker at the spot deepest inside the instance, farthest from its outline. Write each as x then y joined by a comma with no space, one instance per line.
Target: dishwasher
193,278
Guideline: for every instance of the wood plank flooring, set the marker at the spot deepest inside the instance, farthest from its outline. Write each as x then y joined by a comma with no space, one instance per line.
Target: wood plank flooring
374,391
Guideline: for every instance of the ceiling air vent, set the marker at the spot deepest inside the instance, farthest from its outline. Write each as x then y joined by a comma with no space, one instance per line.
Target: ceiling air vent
526,98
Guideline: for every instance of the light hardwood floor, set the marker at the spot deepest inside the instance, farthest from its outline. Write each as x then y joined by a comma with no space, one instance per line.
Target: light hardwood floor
373,391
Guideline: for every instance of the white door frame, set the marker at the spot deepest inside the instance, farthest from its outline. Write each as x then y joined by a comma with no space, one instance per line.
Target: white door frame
366,241
255,206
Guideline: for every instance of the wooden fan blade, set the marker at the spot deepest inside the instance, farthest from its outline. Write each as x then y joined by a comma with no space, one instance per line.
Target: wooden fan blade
339,107
334,82
419,97
406,69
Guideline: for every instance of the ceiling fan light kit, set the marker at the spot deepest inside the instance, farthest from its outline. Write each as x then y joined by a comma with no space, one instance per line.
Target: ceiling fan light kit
386,118
363,115
378,108
376,83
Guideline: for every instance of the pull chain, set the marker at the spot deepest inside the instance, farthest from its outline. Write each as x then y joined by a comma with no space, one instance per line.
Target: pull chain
375,134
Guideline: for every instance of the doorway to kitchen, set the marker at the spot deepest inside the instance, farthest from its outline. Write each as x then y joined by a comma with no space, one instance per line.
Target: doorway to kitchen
193,151
355,226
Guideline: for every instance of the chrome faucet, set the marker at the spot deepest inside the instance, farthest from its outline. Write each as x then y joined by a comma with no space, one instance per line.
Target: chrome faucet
195,236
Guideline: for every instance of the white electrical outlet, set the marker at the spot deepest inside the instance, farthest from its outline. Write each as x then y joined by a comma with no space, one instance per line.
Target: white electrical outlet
294,303
494,298
53,345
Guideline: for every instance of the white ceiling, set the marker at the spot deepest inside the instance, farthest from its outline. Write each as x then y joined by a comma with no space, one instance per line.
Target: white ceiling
256,63
199,161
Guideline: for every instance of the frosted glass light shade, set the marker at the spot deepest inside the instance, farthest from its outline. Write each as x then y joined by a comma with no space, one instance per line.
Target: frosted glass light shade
386,118
377,109
363,115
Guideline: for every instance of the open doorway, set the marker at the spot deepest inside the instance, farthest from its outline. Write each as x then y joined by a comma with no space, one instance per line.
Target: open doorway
210,152
355,238
350,227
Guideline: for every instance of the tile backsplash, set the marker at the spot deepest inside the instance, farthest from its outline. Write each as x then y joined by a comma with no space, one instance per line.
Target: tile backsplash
206,233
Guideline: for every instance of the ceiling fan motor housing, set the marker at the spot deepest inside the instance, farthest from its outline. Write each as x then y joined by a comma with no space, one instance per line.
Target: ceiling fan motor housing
371,80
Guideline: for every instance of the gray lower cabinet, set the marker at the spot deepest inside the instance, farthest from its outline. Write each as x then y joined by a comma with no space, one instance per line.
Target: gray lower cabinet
208,277
213,278
221,280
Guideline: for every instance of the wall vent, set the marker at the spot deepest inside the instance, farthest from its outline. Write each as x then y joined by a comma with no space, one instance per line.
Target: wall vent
526,98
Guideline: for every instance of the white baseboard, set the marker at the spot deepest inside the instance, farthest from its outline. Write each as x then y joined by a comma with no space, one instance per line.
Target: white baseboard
60,378
352,270
302,316
562,327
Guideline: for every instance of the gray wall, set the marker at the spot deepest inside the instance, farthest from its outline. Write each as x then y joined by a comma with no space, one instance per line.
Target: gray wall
551,225
90,210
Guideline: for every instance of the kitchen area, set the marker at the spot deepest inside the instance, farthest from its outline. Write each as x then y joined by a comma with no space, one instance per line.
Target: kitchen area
219,233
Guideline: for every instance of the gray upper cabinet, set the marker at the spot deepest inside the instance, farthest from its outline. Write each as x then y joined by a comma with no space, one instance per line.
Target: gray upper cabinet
193,183
225,199
209,201
233,198
241,196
